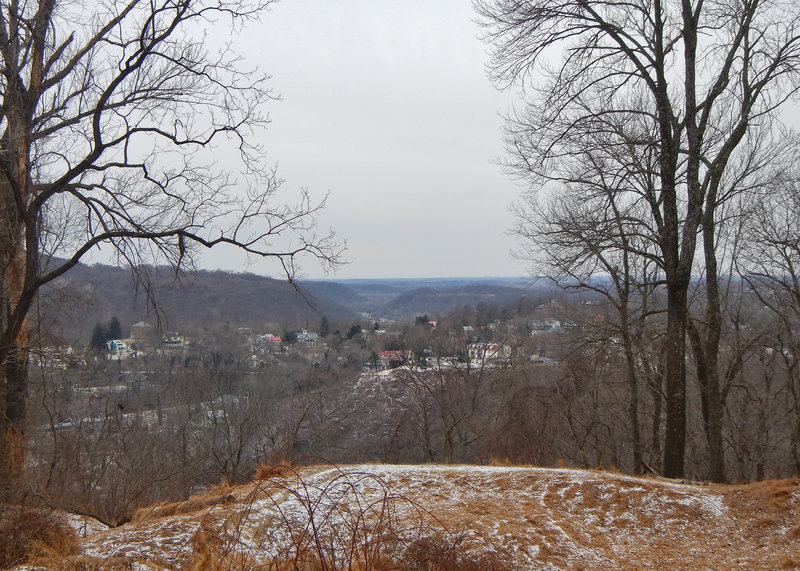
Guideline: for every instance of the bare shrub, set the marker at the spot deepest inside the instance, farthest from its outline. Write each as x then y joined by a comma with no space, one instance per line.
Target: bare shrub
349,521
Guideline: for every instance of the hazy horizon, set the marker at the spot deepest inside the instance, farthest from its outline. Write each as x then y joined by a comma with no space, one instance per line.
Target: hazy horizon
387,107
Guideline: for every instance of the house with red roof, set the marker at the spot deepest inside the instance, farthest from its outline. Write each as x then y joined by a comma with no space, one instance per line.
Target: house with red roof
396,358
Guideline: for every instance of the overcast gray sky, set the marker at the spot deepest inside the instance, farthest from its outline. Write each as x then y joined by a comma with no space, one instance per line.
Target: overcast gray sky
386,106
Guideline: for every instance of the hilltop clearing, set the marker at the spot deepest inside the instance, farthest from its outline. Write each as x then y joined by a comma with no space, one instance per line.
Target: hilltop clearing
469,517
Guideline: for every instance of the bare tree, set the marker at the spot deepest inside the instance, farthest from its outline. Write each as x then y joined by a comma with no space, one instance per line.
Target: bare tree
771,266
702,74
112,115
600,226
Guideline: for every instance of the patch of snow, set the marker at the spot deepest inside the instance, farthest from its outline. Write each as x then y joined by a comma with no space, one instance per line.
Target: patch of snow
712,504
85,526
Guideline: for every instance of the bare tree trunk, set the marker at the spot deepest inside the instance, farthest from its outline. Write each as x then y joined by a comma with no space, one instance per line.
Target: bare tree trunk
707,367
711,384
12,423
677,240
19,242
13,362
633,398
794,390
675,382
655,434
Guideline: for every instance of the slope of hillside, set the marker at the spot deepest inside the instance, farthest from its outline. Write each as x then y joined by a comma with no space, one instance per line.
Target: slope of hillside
337,292
463,517
91,294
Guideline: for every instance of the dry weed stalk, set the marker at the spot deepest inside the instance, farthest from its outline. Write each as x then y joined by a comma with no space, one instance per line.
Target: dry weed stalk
350,521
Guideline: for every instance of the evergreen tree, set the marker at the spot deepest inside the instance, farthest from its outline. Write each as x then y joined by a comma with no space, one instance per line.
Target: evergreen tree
114,329
99,336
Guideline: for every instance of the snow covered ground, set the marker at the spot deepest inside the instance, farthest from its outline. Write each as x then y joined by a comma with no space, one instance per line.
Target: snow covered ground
494,516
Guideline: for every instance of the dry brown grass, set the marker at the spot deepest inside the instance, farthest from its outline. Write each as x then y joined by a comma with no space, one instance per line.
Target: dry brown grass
774,494
211,551
192,505
465,518
442,553
28,534
218,494
784,561
767,506
266,471
83,563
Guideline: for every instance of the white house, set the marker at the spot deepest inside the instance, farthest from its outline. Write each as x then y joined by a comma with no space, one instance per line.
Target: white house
307,337
488,353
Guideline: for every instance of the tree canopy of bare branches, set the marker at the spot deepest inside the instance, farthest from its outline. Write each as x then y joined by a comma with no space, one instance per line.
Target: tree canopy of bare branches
129,125
652,105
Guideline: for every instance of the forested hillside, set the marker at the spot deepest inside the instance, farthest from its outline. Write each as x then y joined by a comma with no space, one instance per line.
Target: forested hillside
202,299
